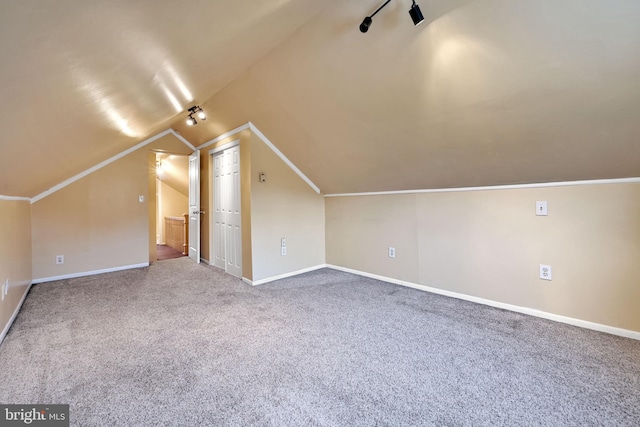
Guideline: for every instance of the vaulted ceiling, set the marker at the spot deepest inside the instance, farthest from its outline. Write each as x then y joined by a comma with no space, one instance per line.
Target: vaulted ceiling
484,92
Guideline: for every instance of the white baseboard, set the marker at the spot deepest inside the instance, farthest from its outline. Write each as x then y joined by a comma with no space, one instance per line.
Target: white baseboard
283,276
5,331
89,273
524,310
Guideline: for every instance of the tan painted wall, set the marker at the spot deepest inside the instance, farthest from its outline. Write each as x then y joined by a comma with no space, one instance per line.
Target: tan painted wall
284,206
173,204
360,230
15,254
489,244
97,222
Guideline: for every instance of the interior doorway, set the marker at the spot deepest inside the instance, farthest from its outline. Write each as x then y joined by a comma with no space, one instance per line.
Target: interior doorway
172,191
227,232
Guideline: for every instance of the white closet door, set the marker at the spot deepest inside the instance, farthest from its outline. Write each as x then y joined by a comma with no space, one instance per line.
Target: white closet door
218,216
227,213
234,235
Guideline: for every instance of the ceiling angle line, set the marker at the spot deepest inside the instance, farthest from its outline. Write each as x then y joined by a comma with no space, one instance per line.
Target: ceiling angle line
97,167
182,139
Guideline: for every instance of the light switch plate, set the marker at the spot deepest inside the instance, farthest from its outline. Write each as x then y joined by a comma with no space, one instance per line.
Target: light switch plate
541,208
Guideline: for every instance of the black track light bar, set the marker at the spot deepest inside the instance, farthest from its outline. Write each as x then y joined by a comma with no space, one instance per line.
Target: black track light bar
191,120
414,12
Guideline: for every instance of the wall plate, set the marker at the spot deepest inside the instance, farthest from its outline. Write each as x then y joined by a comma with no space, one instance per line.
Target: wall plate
545,272
541,208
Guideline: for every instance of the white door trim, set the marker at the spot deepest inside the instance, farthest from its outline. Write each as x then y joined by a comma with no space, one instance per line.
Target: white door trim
224,147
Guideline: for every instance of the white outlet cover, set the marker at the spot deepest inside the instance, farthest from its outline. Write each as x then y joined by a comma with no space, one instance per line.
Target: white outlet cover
141,198
545,272
283,242
392,252
283,250
59,259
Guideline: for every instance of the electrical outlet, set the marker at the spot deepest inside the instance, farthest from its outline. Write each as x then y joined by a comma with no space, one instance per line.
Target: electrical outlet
283,250
141,198
545,272
392,252
283,242
59,259
5,289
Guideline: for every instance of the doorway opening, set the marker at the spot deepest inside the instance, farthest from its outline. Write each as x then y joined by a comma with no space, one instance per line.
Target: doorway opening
172,205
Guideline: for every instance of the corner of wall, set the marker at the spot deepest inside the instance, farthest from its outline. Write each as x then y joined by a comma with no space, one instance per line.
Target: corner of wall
15,259
285,206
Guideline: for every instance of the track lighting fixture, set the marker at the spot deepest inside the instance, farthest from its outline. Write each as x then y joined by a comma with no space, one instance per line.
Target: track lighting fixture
414,12
198,112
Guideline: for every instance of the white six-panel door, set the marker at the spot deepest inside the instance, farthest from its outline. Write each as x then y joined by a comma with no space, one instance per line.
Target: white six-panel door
227,235
219,259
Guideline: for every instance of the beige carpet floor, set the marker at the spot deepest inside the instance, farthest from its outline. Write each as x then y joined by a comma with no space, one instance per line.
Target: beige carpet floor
180,344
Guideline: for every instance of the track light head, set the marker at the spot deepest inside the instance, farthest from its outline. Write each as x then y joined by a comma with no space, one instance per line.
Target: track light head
364,27
191,121
416,14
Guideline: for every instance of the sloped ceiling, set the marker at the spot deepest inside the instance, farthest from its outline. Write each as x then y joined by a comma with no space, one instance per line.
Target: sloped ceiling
485,92
82,80
173,170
